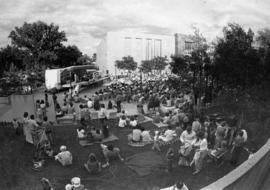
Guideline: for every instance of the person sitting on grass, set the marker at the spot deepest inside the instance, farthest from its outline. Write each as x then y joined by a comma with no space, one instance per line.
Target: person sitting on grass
110,153
93,166
64,157
146,137
135,136
81,133
97,135
167,118
76,184
46,184
168,135
133,122
122,121
177,186
157,118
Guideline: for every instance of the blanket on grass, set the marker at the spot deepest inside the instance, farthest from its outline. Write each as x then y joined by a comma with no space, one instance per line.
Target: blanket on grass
111,138
146,163
139,144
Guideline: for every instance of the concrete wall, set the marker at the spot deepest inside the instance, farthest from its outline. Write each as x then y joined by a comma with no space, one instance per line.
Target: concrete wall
140,46
21,104
253,174
5,100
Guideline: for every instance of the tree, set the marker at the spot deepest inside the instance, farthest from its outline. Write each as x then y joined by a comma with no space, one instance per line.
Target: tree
11,58
263,40
85,60
40,40
146,66
159,63
67,56
127,63
236,61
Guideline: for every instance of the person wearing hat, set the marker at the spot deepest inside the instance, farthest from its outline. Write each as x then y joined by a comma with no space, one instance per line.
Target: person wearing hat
64,157
178,186
46,184
76,183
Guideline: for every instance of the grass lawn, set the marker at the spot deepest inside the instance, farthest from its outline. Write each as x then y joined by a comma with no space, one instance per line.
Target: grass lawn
16,163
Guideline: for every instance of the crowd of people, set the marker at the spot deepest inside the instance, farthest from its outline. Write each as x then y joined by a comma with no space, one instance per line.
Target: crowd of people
200,136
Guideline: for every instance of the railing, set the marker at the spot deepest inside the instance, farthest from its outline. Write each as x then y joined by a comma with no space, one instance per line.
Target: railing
253,174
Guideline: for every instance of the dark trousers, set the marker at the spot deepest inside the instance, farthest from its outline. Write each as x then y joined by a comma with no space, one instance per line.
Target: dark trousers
118,104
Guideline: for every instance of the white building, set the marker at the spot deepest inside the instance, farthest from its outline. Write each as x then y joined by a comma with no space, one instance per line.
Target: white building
141,46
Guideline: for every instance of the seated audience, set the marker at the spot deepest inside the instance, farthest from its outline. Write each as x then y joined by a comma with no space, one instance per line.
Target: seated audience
157,118
133,122
92,165
136,134
178,186
81,133
76,184
122,121
97,135
64,108
196,125
110,153
167,118
90,103
146,137
168,135
64,157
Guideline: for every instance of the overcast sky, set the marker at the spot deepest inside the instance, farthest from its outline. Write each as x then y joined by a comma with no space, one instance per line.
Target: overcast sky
87,21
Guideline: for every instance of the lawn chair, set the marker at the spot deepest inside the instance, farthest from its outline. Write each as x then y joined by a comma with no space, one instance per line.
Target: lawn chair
218,157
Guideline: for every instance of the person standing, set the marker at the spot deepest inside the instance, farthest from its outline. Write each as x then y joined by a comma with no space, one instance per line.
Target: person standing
26,128
118,100
237,147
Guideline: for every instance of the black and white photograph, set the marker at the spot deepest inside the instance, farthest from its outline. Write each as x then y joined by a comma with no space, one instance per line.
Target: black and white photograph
134,94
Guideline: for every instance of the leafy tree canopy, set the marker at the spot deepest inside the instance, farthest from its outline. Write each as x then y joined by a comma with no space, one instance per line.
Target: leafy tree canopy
39,39
127,63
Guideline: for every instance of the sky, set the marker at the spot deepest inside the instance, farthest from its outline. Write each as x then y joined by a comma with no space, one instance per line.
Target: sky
86,22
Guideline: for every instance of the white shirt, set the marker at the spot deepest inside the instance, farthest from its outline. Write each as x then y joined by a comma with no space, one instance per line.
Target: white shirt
122,123
133,123
245,136
188,138
203,145
81,133
89,104
146,136
175,188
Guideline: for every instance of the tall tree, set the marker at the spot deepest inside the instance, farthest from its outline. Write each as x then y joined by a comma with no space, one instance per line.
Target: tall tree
67,56
127,63
85,60
236,61
146,66
160,63
263,42
39,39
11,57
